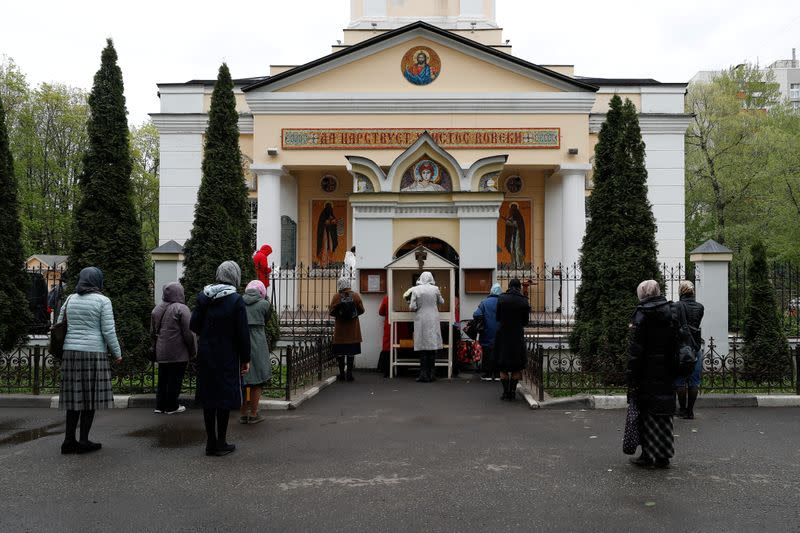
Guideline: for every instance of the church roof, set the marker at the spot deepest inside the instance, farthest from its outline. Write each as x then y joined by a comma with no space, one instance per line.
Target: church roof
637,82
420,25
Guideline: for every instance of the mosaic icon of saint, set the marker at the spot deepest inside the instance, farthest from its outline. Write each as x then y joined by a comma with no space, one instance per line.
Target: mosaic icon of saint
327,235
420,71
426,177
515,236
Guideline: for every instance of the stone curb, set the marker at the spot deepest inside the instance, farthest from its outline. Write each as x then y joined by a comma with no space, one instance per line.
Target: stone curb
708,401
148,401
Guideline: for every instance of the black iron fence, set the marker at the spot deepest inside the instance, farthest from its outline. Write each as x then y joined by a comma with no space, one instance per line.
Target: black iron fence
302,295
556,371
31,370
785,280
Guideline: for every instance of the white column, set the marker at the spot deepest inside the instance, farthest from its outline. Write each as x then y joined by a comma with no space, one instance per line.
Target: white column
477,247
552,220
711,261
268,225
573,227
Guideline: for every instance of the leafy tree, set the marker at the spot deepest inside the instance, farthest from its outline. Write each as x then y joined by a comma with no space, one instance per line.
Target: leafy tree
221,229
106,232
766,351
145,157
14,314
619,248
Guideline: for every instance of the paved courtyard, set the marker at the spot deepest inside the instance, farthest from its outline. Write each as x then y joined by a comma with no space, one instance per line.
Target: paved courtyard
381,455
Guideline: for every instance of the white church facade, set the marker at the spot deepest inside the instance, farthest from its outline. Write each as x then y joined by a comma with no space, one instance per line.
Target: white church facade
420,128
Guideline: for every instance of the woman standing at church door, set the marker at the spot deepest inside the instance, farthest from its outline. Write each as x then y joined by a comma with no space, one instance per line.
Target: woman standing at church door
425,301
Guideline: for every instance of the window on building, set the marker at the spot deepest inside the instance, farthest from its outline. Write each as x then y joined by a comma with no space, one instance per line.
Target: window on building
374,8
288,242
794,91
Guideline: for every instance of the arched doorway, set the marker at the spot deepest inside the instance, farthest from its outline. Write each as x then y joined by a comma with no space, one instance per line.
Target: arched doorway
431,243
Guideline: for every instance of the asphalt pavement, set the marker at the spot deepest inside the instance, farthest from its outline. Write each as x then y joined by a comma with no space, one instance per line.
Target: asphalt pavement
395,455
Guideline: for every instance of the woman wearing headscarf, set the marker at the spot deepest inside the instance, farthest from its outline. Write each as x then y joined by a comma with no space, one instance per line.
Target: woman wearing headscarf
85,372
511,356
260,369
174,347
346,306
223,353
650,375
425,299
487,311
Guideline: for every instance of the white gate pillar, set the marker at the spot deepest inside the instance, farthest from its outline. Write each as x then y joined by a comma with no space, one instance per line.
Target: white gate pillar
711,261
268,224
573,226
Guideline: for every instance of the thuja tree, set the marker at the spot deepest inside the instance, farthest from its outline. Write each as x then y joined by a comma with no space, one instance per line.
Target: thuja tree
14,315
106,231
221,229
619,248
766,351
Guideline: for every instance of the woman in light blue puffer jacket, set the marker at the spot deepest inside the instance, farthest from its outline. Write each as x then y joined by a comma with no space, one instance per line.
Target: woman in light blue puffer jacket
85,372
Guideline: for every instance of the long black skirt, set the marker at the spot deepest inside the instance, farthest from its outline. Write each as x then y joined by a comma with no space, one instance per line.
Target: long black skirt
657,438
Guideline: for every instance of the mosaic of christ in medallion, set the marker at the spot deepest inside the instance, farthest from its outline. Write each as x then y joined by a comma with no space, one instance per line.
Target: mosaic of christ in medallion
421,65
426,176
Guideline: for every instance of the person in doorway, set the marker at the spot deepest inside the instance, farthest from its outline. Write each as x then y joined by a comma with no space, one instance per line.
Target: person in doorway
487,314
223,354
511,356
346,306
260,372
650,375
85,372
687,388
174,347
425,299
383,358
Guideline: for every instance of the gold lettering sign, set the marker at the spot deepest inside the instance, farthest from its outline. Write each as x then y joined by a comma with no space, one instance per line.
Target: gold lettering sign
377,138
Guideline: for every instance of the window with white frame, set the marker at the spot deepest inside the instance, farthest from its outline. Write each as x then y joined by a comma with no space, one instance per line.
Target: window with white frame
794,91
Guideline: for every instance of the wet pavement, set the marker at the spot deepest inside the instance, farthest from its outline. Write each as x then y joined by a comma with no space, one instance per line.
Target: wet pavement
396,455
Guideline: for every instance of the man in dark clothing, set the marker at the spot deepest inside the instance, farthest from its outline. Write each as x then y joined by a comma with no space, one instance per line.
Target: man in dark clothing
687,388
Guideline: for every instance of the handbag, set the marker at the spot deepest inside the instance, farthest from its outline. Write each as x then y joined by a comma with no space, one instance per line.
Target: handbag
631,437
151,353
58,334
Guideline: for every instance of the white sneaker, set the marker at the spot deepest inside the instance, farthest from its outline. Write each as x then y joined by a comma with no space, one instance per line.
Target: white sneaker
156,411
180,409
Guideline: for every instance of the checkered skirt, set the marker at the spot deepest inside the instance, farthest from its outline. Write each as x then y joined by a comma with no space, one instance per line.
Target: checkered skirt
85,381
657,439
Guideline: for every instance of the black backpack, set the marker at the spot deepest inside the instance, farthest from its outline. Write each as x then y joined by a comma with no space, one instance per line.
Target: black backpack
685,345
346,308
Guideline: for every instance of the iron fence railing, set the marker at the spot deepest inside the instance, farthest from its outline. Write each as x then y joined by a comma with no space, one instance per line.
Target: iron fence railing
30,369
785,280
556,371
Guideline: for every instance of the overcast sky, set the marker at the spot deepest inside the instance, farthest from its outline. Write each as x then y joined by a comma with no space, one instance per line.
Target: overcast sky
177,40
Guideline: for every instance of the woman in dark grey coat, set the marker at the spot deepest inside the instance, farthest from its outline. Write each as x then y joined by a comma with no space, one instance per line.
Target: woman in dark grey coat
511,356
174,347
223,353
650,375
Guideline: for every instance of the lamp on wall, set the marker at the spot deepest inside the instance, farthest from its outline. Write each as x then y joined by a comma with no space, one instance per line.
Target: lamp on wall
272,151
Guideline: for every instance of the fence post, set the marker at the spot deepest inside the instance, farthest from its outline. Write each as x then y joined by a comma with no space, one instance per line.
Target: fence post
288,384
797,370
712,261
36,352
319,358
540,371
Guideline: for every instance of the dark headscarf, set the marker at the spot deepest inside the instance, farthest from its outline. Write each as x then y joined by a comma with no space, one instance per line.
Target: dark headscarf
515,285
90,279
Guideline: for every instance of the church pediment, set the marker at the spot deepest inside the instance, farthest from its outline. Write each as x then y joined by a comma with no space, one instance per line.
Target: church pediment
418,59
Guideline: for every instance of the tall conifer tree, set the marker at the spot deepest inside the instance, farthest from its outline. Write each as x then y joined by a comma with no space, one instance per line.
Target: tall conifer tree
106,233
14,314
619,248
221,229
766,351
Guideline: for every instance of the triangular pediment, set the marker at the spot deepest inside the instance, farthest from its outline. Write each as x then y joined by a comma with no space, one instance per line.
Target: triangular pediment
432,261
391,63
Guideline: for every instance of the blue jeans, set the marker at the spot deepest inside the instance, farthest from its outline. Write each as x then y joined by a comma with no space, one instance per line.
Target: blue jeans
693,381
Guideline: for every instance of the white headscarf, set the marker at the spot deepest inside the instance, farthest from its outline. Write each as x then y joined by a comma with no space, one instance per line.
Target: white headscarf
648,289
343,283
426,278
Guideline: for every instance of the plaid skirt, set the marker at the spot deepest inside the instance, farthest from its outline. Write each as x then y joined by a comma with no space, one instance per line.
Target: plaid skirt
656,437
85,381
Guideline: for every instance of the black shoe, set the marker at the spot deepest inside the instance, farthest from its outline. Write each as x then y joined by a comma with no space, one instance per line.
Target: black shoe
348,377
683,413
69,447
689,415
641,462
88,446
224,449
340,377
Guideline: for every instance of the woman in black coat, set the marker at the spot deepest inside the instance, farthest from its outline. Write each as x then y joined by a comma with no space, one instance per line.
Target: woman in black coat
511,355
223,353
650,374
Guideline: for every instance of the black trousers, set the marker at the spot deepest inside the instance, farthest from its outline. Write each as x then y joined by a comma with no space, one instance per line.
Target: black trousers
170,380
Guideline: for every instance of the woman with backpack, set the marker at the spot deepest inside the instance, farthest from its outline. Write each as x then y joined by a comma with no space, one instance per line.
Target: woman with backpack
175,345
650,374
346,306
487,314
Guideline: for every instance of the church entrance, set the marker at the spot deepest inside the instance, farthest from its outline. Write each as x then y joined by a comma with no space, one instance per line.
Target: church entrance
433,244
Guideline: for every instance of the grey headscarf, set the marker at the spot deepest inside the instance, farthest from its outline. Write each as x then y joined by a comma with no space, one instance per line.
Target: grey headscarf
686,288
426,278
343,283
90,279
648,289
497,290
230,273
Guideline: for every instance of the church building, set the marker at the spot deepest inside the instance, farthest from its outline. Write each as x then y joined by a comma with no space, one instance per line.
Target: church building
420,128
